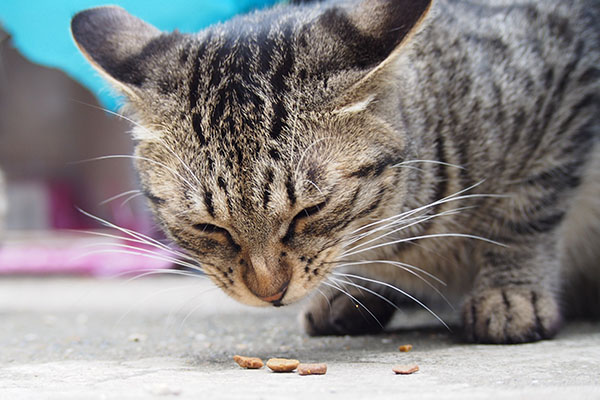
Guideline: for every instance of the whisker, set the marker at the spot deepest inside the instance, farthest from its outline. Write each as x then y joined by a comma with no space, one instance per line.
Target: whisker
131,240
118,196
142,254
336,286
150,160
189,314
131,198
407,268
140,237
452,197
314,184
166,290
323,294
146,252
145,272
366,289
428,161
416,221
145,130
306,152
398,264
399,291
435,235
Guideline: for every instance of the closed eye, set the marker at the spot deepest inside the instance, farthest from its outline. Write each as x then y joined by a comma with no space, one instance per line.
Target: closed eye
305,213
213,229
210,228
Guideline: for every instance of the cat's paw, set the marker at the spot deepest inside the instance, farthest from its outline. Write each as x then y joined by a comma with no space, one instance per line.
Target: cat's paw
510,315
341,315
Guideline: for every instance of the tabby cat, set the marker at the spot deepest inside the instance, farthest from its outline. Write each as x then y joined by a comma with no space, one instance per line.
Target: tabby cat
369,150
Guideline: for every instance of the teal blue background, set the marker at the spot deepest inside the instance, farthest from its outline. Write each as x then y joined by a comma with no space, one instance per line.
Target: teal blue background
40,28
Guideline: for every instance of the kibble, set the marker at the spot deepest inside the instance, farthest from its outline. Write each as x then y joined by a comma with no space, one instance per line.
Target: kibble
405,369
405,348
248,362
312,369
282,364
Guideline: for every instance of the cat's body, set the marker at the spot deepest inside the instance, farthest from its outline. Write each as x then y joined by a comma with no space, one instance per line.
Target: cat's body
271,143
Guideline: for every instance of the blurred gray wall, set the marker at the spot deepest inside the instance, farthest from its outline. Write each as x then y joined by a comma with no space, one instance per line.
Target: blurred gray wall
48,124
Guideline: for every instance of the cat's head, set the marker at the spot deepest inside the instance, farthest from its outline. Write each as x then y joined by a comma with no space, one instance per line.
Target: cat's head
263,143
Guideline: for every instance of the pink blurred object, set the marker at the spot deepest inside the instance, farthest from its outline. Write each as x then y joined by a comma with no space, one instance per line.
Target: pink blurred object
66,252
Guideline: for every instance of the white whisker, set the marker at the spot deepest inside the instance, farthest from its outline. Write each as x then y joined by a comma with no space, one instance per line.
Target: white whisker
146,131
141,254
315,185
399,291
398,264
336,286
374,293
139,237
416,221
134,157
408,268
427,161
132,240
189,314
144,252
156,293
131,198
304,155
453,197
435,235
145,272
118,196
323,294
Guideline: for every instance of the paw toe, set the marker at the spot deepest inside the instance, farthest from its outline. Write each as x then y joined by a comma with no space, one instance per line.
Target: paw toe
510,315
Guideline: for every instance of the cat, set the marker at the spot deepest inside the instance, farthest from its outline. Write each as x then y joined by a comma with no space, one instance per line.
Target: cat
371,149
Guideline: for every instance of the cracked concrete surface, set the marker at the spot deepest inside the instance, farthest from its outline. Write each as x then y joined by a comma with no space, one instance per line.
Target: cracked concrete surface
78,338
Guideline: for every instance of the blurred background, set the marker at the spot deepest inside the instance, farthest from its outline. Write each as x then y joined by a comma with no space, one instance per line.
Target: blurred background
56,120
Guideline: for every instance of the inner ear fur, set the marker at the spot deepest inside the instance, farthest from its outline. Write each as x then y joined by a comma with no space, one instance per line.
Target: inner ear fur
384,27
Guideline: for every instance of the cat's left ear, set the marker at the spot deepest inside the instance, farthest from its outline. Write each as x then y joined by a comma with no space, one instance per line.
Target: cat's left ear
377,31
118,45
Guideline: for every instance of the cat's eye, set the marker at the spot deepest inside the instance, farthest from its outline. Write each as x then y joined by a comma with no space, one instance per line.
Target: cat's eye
210,228
309,211
214,229
305,213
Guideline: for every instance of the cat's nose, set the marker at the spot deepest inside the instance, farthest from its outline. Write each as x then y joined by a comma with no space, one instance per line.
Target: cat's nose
275,299
267,280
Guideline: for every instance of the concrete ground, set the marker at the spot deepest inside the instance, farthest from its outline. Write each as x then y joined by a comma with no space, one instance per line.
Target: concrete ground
77,338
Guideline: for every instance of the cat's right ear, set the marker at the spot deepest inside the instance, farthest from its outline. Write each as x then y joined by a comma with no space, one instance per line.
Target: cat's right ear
115,42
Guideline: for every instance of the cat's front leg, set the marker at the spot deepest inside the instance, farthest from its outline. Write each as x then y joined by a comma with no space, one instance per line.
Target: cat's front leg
344,309
514,299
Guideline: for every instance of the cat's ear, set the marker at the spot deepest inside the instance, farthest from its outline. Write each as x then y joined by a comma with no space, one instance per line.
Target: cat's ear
115,42
374,33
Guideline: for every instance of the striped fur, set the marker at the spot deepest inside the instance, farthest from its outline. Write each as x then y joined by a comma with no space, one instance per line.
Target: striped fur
266,142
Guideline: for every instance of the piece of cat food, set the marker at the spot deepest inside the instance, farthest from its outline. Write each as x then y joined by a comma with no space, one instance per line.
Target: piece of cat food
248,362
405,348
405,369
282,364
312,369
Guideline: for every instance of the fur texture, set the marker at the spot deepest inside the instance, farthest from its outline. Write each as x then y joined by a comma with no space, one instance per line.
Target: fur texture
398,139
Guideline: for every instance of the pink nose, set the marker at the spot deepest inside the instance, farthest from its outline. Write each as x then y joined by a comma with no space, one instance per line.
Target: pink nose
275,298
